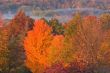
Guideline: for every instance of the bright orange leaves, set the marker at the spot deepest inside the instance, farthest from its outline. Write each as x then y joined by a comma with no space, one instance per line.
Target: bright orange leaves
37,43
58,41
80,45
41,46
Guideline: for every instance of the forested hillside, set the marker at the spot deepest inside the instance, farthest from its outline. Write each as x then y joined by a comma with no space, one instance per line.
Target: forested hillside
55,36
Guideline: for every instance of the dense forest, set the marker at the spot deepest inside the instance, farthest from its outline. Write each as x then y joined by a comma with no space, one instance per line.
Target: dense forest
80,45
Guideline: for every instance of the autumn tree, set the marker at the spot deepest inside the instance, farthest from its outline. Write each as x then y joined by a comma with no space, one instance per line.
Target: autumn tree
105,18
84,37
105,47
17,29
43,46
36,46
4,51
1,20
70,32
88,41
20,23
90,33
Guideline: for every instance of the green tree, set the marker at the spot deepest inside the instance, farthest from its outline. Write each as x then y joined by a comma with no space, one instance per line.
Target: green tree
56,26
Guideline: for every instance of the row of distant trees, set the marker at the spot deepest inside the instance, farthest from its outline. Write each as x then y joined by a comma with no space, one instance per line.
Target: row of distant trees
81,45
56,4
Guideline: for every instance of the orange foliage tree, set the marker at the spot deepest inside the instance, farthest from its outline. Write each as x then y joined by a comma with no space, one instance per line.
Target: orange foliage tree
41,47
4,51
36,45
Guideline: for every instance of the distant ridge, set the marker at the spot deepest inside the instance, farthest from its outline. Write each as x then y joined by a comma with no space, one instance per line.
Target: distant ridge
55,4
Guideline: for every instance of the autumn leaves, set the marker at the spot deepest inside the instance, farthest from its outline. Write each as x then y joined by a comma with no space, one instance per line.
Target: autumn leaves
82,45
40,44
77,48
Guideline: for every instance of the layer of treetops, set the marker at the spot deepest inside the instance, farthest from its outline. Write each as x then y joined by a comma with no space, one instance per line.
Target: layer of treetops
80,45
